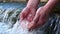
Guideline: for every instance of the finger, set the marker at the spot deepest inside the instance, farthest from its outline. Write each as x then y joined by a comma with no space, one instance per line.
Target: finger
31,15
24,13
36,18
21,16
41,21
32,25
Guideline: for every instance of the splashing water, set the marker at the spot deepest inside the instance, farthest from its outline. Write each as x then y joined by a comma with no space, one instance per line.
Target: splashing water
10,23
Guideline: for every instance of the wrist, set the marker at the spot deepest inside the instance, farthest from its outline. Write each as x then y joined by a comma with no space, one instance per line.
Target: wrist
51,4
33,3
54,0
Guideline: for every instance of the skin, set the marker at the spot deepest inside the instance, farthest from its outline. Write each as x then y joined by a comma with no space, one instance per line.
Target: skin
30,9
39,16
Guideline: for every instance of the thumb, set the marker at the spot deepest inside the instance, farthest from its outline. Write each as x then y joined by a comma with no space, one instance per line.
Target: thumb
32,24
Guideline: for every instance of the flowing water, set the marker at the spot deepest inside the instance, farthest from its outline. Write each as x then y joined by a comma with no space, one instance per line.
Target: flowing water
11,24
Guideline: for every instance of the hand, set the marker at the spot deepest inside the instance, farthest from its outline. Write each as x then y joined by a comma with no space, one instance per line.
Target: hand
40,18
28,13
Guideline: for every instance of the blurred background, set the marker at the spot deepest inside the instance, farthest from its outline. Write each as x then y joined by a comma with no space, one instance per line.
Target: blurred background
19,0
43,2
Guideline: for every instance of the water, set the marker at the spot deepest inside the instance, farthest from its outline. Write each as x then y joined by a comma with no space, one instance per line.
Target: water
10,23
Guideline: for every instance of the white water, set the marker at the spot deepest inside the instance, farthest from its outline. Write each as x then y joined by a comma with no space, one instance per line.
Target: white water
10,24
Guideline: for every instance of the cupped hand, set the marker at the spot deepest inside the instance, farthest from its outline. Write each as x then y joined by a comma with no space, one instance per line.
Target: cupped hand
28,13
41,17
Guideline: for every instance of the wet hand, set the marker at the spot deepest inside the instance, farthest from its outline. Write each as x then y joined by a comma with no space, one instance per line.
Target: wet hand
28,13
40,18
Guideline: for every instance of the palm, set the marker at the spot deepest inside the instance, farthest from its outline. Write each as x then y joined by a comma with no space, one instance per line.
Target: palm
27,13
40,18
